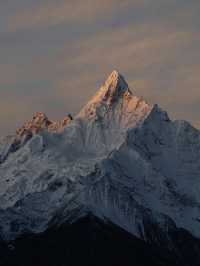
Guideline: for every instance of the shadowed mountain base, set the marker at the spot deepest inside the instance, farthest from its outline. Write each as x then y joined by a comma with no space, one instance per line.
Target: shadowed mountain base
92,242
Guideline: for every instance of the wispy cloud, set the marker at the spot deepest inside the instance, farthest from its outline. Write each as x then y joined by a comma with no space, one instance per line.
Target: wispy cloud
52,13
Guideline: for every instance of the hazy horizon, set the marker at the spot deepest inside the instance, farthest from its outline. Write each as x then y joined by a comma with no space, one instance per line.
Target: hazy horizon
55,55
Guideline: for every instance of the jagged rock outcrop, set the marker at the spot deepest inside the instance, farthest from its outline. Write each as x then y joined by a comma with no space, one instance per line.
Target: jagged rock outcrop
38,124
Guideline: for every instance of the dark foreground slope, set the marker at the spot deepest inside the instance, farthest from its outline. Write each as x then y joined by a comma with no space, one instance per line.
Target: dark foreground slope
92,242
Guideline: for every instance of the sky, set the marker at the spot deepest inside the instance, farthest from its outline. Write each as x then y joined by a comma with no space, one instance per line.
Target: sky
55,54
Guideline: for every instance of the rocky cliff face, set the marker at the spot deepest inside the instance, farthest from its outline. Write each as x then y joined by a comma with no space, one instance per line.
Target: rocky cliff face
120,159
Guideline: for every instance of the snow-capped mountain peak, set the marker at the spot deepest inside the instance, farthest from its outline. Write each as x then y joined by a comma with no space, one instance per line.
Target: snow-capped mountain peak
114,87
112,90
120,158
110,113
114,98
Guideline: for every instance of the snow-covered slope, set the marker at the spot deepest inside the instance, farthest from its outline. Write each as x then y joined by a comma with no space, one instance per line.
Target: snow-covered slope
120,158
